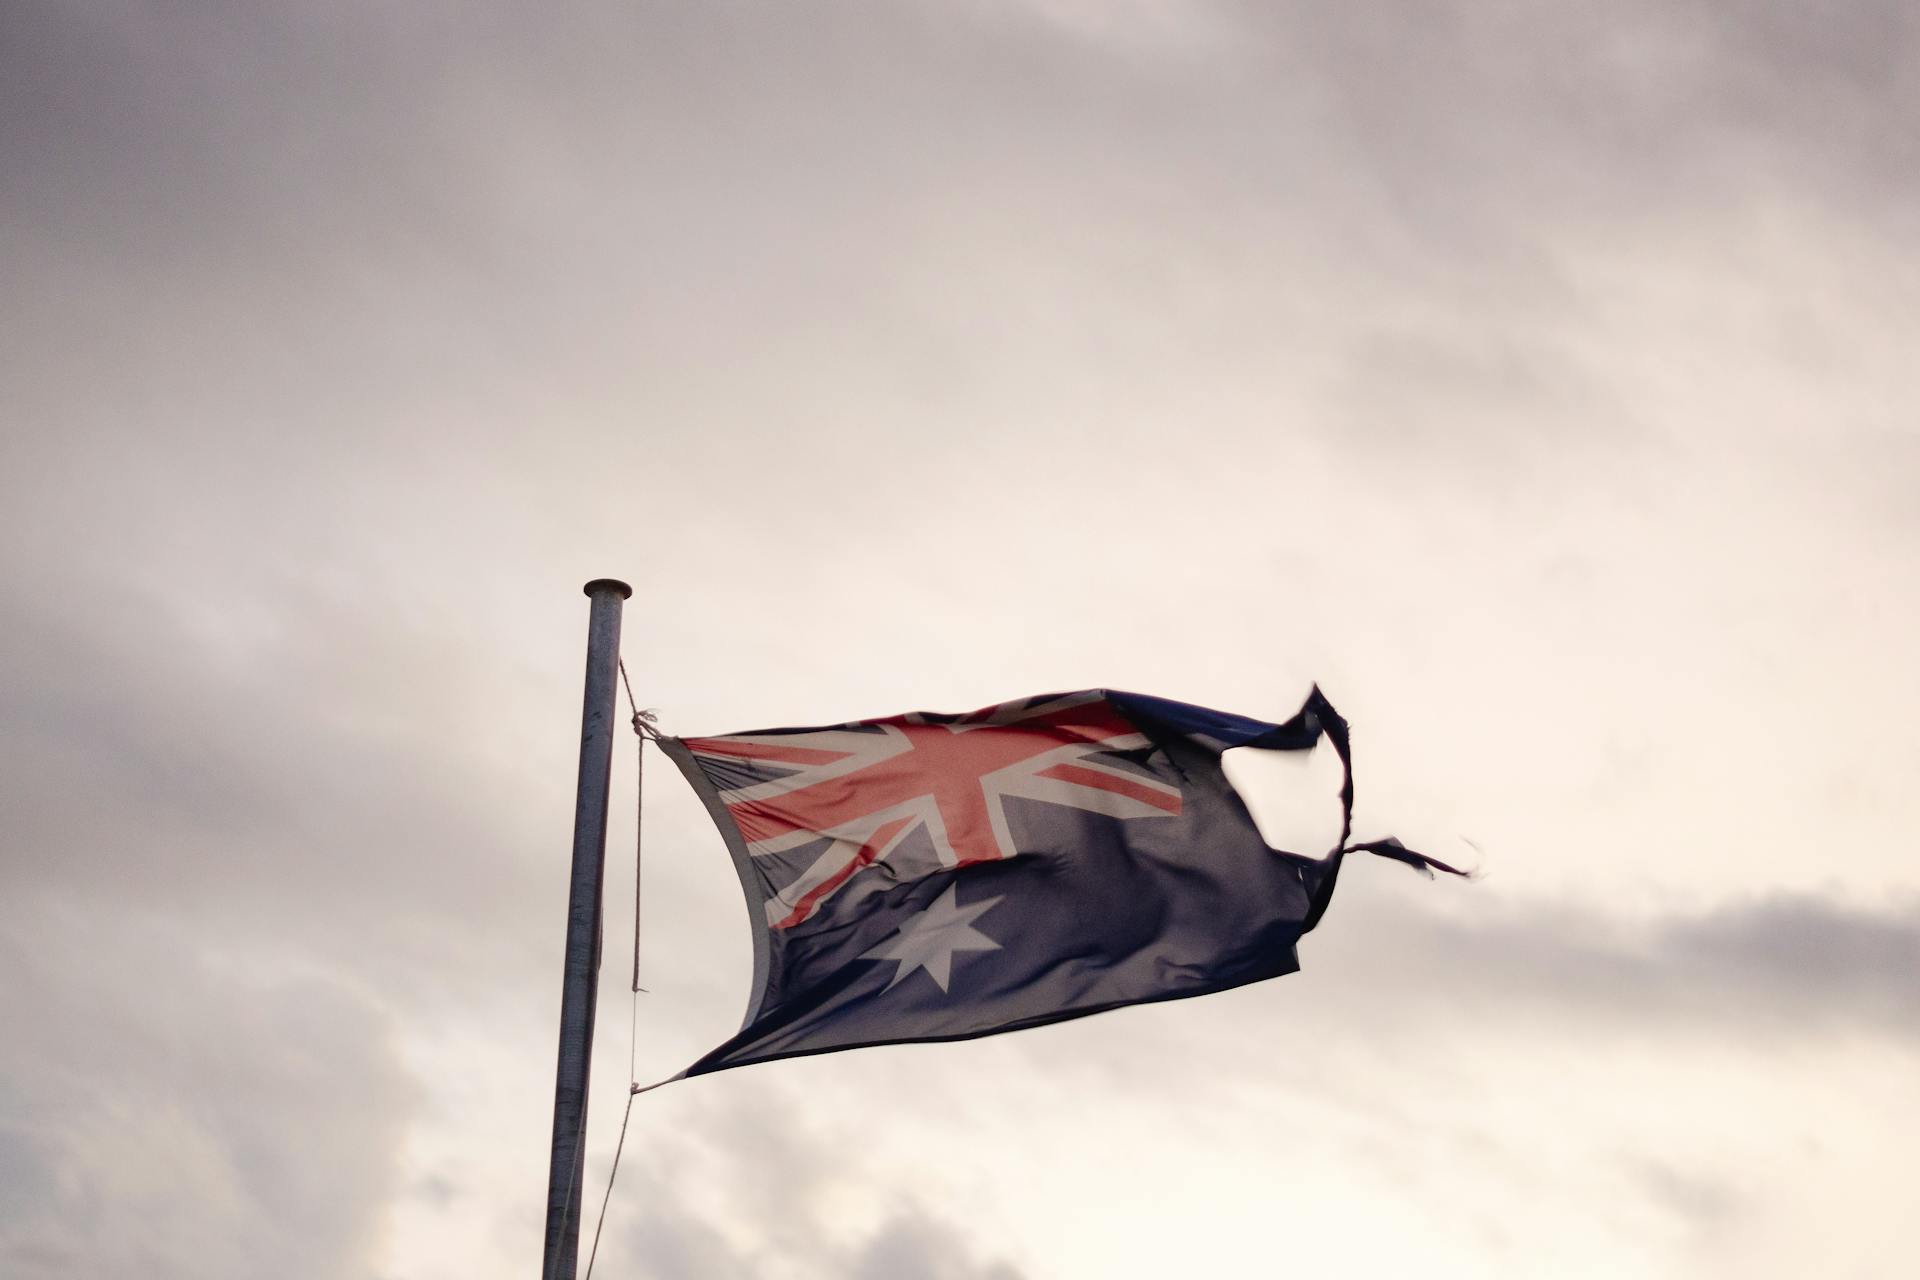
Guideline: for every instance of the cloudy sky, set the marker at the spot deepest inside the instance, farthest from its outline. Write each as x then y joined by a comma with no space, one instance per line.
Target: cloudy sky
1536,378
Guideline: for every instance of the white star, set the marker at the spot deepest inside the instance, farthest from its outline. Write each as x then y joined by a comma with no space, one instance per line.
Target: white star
928,940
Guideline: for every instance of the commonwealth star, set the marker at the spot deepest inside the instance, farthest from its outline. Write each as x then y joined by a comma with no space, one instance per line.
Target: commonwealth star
928,940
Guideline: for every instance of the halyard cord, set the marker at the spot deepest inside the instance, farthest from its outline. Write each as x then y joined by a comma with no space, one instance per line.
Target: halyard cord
633,1091
643,728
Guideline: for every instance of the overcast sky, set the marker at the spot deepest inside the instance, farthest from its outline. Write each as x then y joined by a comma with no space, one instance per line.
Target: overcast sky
1538,379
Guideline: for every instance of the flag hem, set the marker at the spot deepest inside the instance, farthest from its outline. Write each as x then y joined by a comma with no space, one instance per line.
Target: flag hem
750,884
1023,1024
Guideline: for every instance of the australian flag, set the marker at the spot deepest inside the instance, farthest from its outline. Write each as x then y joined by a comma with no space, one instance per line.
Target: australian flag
939,877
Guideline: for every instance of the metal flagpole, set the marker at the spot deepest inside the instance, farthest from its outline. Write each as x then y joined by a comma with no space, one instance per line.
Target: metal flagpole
580,988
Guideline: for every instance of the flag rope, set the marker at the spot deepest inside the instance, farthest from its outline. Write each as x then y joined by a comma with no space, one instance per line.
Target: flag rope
643,728
633,1091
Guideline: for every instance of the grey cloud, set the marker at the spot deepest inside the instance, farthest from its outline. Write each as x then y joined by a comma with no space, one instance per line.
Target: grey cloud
1439,973
228,791
912,1246
668,1242
1778,967
1705,1201
263,237
338,334
786,1184
1381,132
174,1114
1518,116
1796,961
673,1242
1823,952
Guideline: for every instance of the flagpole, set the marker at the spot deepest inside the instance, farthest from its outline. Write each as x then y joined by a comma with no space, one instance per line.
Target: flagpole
580,987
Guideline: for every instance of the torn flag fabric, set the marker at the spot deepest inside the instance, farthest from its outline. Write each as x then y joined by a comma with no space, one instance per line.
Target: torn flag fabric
939,877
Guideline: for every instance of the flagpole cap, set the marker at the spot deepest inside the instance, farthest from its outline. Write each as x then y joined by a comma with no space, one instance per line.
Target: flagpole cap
600,586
